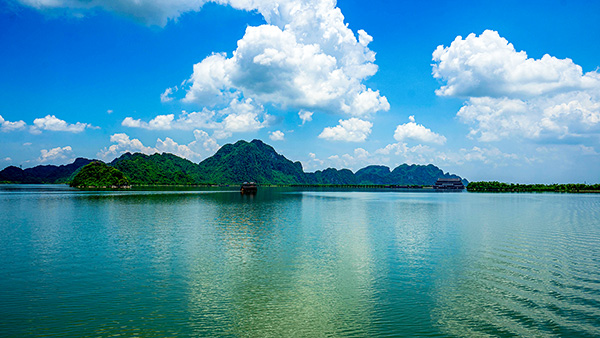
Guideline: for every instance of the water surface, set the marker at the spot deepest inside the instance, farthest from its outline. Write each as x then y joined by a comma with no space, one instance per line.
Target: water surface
207,262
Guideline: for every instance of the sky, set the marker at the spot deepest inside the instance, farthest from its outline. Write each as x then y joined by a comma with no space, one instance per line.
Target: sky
503,90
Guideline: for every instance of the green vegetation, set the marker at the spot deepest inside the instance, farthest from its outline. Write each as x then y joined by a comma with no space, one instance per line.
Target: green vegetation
250,161
158,169
506,187
259,162
233,164
99,175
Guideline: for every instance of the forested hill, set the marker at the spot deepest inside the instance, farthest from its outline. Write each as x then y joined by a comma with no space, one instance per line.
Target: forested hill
43,173
259,162
158,169
251,161
236,163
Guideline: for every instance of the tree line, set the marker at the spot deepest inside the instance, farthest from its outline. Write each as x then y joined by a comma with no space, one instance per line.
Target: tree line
495,186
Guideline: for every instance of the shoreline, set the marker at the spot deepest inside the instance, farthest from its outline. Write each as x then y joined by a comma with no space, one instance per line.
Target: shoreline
515,188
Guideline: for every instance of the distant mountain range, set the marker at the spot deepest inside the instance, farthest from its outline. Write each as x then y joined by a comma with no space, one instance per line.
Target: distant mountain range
43,173
232,164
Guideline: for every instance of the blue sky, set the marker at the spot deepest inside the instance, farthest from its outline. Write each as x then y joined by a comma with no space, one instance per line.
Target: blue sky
505,91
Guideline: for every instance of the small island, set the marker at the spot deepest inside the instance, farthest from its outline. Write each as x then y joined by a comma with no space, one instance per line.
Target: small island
98,175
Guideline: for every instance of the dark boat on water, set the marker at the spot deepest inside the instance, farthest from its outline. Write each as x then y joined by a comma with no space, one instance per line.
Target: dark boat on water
249,188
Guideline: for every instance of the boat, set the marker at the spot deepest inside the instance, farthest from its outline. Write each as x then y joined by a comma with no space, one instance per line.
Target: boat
249,188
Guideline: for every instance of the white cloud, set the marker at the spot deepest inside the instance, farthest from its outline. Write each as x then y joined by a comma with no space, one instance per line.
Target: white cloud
488,65
166,95
277,135
243,117
358,159
205,142
52,123
305,116
564,116
422,154
238,116
160,122
361,153
392,155
124,144
7,159
486,155
313,163
109,111
351,130
170,146
202,146
305,57
27,144
57,153
508,94
8,126
417,132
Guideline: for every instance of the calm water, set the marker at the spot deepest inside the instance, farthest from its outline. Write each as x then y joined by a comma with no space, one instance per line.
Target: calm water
297,263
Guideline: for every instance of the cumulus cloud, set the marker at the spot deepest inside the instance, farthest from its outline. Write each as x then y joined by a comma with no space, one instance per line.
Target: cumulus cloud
238,116
305,116
166,95
305,57
57,153
8,126
202,146
277,135
563,116
359,158
123,144
509,94
401,152
52,123
417,132
351,130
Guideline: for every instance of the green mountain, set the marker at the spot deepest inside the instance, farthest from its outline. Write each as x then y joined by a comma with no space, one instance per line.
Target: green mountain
43,173
232,164
158,169
99,175
251,161
331,176
374,174
415,174
259,162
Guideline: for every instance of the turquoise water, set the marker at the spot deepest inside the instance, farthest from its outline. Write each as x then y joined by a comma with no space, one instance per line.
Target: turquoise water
297,263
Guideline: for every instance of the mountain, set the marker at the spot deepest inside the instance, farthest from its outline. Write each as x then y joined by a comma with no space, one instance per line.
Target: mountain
415,174
43,173
331,176
158,169
259,162
251,161
97,174
374,174
232,164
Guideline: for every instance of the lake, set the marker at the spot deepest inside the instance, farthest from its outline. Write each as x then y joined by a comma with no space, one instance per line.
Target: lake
291,262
